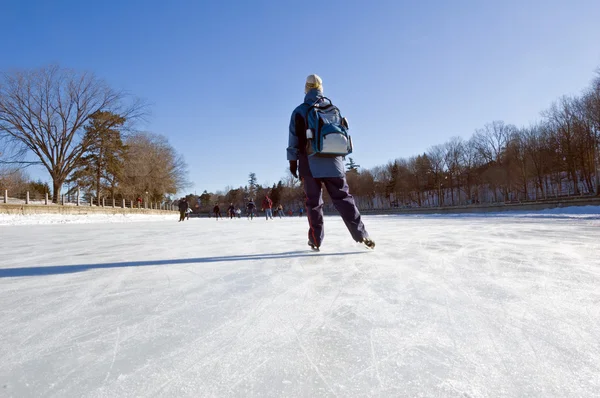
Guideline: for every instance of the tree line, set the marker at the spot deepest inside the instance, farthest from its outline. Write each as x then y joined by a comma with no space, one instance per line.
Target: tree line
82,132
286,192
557,156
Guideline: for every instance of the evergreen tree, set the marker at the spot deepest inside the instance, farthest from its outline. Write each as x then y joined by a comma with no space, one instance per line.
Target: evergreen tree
252,184
276,194
205,199
38,189
393,181
102,164
351,166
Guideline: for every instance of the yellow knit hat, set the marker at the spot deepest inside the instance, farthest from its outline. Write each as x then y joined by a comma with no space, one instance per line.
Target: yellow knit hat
313,81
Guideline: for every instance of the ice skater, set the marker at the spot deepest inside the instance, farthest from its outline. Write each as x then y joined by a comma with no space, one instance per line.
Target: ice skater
321,168
183,206
250,207
267,205
231,211
217,212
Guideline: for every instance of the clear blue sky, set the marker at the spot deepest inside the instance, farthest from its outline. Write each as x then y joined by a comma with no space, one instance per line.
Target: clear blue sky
224,76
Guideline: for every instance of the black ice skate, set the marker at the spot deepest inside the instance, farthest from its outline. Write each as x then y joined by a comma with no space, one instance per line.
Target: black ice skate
368,242
313,246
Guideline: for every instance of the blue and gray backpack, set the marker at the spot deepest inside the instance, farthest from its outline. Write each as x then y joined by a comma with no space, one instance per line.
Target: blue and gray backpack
327,131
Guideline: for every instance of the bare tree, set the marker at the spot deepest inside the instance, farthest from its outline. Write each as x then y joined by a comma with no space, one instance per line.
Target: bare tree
590,104
492,143
380,180
535,140
586,142
44,111
518,159
13,156
454,151
419,171
563,121
471,162
13,179
152,168
437,156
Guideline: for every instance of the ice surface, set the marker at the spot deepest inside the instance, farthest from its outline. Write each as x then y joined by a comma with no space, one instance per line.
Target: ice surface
481,305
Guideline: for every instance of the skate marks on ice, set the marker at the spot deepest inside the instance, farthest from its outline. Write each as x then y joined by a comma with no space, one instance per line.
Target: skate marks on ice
444,307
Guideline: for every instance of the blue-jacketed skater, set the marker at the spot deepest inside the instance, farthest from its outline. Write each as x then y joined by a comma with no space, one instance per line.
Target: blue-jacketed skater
316,168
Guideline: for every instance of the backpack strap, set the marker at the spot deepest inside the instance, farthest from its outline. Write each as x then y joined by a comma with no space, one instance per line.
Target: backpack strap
314,105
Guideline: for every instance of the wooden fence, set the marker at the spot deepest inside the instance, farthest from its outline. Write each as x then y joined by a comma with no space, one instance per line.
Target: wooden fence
77,200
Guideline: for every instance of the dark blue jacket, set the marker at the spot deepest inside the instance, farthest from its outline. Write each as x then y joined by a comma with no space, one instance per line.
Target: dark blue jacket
315,166
183,205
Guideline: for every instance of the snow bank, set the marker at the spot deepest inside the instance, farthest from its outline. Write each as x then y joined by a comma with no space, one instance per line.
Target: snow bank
583,212
574,212
38,219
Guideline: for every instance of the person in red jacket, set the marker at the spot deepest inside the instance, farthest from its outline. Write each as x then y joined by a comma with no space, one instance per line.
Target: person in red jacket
267,205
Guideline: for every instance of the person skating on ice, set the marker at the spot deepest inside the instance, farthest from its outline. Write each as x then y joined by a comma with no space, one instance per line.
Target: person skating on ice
183,206
231,211
250,207
267,205
307,161
217,211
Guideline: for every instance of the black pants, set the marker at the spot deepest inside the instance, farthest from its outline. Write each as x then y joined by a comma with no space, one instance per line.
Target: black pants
338,190
181,215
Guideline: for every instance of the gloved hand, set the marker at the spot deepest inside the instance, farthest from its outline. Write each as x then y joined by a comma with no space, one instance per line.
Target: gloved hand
294,168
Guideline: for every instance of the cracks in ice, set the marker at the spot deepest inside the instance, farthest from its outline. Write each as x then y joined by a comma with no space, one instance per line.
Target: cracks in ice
374,360
115,350
313,364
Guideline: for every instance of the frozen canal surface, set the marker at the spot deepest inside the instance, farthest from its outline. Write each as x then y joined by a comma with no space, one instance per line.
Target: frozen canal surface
464,306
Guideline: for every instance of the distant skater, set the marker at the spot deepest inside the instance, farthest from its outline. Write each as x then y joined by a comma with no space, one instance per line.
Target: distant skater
231,211
250,207
183,206
217,212
267,204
